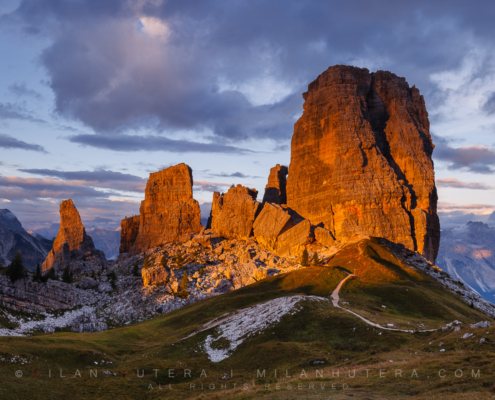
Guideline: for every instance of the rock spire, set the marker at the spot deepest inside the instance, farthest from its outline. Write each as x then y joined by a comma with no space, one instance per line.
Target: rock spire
361,159
167,212
73,246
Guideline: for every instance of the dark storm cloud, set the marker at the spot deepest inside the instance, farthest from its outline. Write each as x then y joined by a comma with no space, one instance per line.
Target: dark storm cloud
172,65
8,142
119,142
20,89
475,158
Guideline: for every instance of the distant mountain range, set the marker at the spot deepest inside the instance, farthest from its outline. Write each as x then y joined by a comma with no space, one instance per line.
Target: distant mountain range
14,238
468,253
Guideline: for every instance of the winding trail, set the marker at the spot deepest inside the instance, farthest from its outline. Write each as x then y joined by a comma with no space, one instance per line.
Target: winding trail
335,301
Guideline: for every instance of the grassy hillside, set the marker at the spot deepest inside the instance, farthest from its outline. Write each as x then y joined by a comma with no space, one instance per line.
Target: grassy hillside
316,336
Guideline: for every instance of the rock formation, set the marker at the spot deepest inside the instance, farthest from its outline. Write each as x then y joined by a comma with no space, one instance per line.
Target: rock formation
361,159
275,190
293,241
27,295
167,212
272,221
215,209
129,229
233,214
155,275
324,236
72,243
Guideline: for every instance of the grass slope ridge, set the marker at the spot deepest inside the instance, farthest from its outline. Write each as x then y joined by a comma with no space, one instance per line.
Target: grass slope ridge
314,335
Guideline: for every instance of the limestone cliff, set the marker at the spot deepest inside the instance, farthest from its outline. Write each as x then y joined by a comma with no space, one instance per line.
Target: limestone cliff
361,159
275,190
129,229
167,212
72,243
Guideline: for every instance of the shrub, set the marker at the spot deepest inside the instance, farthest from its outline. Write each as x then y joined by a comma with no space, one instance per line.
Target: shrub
146,263
16,270
201,271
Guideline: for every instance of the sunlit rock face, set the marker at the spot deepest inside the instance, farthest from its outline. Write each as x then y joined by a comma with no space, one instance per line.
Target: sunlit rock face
275,190
233,213
129,229
361,159
72,246
167,212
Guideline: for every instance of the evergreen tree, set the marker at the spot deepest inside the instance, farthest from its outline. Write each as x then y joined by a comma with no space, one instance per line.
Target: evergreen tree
184,285
315,260
51,274
67,275
15,270
38,277
305,258
180,259
135,270
146,263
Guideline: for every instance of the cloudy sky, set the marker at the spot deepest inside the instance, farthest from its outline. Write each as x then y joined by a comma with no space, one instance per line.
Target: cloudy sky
95,95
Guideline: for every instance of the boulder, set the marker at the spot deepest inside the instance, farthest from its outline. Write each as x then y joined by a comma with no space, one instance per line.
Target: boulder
223,286
293,241
275,190
87,322
235,212
88,283
324,236
272,221
155,275
361,159
73,244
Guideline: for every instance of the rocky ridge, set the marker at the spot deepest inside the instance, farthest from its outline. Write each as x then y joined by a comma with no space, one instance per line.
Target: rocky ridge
96,300
467,253
14,238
